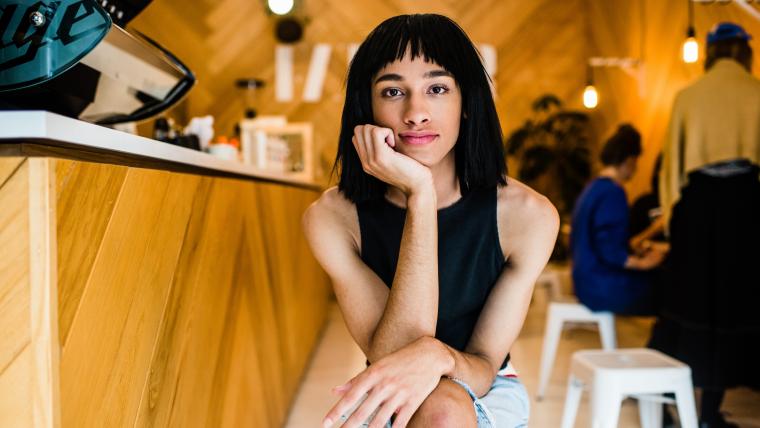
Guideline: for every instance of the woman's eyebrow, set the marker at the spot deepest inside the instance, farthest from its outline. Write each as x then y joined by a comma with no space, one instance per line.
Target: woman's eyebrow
397,78
389,77
437,73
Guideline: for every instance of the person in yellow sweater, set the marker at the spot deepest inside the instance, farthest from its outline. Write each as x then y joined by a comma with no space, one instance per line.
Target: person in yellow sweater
710,196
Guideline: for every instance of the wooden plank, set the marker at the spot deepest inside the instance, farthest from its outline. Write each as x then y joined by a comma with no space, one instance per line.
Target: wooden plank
158,394
14,268
89,190
295,276
240,395
44,296
248,401
269,338
204,268
16,362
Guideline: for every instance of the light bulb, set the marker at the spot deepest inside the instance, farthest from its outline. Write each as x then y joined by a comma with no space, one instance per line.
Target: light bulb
590,97
280,7
690,50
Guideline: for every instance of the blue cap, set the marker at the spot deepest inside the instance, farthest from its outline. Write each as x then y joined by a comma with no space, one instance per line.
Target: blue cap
727,31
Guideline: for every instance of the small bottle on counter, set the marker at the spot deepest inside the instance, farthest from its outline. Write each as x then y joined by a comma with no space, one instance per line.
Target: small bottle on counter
161,129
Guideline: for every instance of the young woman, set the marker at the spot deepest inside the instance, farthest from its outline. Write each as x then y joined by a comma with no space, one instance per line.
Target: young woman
432,251
606,276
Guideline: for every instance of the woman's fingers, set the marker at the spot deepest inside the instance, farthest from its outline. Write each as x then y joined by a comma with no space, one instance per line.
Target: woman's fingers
391,139
383,154
368,407
403,416
369,141
340,389
369,144
358,387
385,412
358,141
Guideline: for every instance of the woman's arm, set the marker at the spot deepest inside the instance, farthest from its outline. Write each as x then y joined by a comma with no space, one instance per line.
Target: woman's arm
655,228
529,231
381,321
411,311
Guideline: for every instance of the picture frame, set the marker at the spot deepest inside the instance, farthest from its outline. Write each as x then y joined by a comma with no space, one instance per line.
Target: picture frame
276,147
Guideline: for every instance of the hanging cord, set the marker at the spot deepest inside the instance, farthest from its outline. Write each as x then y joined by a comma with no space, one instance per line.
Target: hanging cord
642,30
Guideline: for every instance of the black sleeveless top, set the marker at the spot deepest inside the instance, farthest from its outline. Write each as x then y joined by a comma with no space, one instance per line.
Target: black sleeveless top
469,257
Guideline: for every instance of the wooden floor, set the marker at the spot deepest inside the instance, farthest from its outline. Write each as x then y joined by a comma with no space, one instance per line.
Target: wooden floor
337,359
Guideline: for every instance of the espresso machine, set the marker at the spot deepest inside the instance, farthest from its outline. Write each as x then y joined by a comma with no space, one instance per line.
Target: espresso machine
73,57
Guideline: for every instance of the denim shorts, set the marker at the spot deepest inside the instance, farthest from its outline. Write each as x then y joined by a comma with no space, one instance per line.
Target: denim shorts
506,405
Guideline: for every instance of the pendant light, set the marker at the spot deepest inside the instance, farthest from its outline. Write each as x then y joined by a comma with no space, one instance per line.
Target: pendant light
690,48
280,7
590,95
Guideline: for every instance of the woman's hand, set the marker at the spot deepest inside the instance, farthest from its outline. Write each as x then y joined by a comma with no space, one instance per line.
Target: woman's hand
652,257
396,384
638,245
375,146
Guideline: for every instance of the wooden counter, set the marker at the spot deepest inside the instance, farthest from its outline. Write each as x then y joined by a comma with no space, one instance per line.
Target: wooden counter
147,296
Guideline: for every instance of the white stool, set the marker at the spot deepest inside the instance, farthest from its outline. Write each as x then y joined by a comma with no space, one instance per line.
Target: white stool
557,314
642,373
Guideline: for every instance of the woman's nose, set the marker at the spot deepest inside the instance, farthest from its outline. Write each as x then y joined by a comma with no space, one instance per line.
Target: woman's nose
416,111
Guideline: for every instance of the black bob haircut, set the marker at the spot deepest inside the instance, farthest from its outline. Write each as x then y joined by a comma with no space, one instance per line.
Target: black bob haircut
478,151
625,143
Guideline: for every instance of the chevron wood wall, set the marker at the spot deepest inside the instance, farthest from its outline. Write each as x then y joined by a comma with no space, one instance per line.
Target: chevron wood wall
542,46
539,45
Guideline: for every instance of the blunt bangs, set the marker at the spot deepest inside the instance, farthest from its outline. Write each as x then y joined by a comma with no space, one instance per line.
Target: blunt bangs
437,39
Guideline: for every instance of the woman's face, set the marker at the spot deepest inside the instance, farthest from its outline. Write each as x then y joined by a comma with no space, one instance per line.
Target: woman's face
422,104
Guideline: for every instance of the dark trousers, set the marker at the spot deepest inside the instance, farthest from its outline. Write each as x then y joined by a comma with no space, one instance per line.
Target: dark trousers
710,315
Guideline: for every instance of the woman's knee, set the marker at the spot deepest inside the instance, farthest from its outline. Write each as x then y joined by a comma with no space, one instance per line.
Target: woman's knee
449,405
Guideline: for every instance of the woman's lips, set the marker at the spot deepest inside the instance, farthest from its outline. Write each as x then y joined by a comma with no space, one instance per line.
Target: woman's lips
418,140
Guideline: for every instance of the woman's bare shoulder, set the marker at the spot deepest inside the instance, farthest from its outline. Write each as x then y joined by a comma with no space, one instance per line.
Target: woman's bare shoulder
332,210
520,201
519,193
520,211
332,199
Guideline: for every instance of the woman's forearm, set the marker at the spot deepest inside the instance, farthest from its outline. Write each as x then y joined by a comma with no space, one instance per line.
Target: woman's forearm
412,307
654,229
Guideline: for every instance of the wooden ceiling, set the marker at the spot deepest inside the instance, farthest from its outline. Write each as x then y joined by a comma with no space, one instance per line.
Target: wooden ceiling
542,47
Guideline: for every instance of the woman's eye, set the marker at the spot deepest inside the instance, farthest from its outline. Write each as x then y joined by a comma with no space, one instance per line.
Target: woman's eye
391,92
439,89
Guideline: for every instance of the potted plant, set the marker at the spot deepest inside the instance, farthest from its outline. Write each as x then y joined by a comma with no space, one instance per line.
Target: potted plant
552,151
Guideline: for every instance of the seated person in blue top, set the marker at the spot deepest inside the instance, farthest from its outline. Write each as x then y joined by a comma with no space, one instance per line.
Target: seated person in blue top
605,275
432,250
